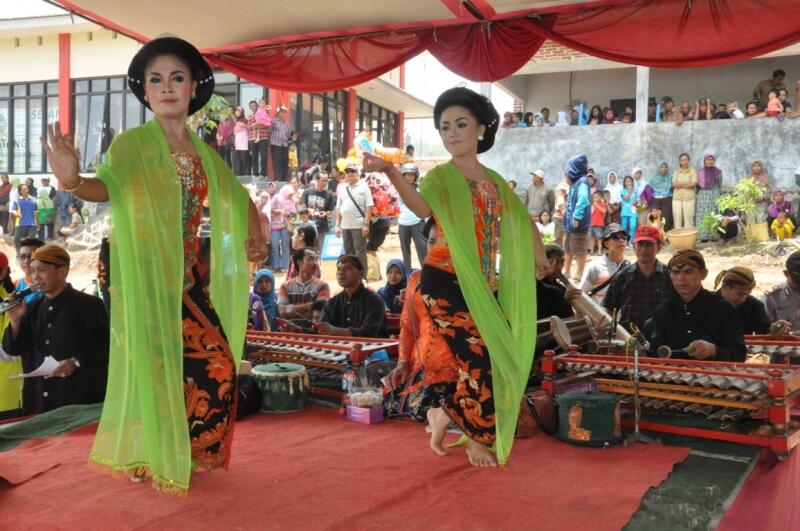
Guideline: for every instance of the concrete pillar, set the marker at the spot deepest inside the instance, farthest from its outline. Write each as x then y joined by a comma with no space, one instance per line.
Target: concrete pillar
64,83
642,93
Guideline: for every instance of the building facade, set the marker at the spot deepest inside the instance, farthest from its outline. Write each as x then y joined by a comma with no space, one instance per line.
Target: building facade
60,67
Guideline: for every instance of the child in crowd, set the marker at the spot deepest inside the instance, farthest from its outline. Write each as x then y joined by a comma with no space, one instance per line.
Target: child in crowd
782,226
597,222
293,162
657,220
546,226
774,106
779,204
628,214
396,279
612,214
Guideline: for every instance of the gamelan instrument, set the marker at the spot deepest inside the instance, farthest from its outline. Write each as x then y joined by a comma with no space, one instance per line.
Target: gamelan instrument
782,347
745,403
599,317
324,357
284,386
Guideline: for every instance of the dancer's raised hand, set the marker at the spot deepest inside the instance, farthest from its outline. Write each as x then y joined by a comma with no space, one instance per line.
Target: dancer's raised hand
62,156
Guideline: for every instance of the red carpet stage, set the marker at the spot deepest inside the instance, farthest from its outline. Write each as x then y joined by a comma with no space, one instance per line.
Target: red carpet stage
314,470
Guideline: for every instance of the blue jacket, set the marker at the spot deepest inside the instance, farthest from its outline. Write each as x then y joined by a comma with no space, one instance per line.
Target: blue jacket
579,206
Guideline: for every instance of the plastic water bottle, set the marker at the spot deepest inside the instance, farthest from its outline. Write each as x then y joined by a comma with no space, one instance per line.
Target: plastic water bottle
349,379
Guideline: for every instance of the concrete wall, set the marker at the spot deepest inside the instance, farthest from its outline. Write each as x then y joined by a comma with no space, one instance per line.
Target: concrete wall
103,55
737,143
29,61
720,83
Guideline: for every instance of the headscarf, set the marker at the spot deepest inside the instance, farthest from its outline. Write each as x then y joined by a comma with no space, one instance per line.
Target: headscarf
285,200
269,299
392,291
640,184
615,188
738,276
763,179
563,118
708,178
536,119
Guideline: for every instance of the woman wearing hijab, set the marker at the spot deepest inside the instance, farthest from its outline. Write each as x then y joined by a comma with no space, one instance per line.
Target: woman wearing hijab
396,279
176,343
283,209
759,174
486,320
709,182
735,285
264,288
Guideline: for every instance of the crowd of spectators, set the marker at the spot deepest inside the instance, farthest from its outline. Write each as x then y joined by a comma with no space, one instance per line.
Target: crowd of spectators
770,99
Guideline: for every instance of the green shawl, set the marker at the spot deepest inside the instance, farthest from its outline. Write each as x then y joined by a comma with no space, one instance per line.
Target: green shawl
507,323
144,424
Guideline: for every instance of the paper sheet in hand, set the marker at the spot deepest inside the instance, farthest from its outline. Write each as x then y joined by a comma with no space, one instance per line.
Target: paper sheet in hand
48,365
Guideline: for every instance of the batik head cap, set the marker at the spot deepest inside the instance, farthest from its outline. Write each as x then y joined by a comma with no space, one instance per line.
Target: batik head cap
686,257
52,254
480,106
187,53
738,276
352,259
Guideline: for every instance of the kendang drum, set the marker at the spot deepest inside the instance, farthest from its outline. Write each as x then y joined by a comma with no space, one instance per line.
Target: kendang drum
284,387
589,419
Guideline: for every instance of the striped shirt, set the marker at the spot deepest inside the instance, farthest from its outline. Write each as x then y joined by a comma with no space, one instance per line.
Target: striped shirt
280,132
297,292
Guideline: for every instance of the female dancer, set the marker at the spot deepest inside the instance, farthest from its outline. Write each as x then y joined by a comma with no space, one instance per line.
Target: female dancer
171,400
487,319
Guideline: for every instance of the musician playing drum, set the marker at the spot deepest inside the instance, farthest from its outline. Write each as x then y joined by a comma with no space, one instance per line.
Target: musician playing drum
696,323
487,320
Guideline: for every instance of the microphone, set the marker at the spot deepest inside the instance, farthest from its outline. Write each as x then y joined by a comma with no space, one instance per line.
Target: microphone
14,300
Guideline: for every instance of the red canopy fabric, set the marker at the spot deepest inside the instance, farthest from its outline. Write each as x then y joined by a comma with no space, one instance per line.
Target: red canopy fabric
659,33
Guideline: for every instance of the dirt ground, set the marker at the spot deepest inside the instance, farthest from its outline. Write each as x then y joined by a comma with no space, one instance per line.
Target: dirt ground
767,267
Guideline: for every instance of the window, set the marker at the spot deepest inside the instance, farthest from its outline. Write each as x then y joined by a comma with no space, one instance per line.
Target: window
25,111
380,121
104,107
237,91
319,120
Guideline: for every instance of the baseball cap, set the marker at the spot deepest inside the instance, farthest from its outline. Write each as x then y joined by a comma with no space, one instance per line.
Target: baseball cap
351,165
613,228
793,263
647,233
538,173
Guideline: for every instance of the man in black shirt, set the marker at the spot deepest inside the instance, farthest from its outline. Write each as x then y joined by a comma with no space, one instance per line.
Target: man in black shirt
66,324
696,321
320,203
356,311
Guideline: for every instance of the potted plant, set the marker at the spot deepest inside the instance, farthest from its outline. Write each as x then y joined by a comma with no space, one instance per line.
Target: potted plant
744,199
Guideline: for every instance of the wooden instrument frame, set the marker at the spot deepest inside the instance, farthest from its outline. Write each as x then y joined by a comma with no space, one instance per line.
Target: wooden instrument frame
357,349
783,393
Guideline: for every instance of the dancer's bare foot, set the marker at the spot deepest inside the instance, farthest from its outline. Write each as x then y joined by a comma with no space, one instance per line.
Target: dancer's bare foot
137,475
438,421
480,455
